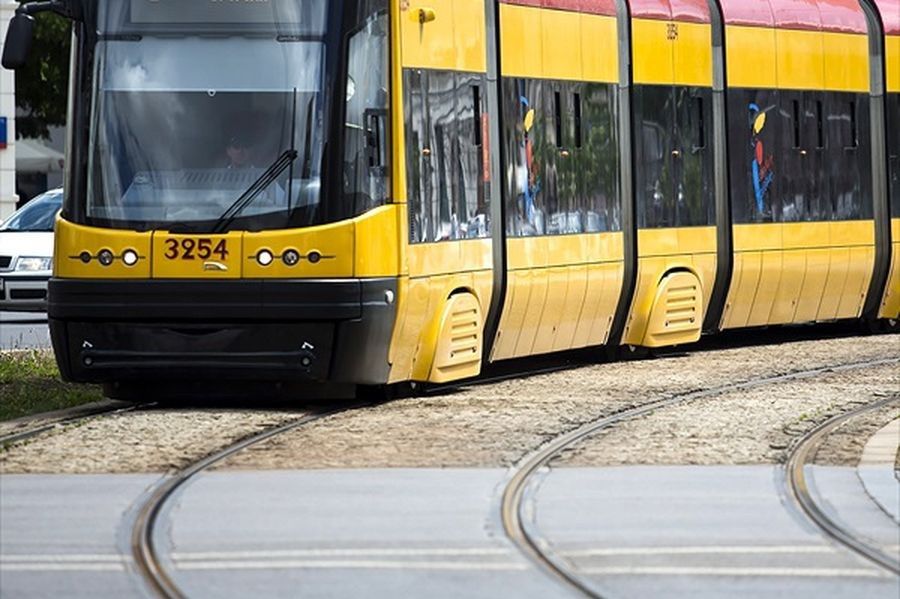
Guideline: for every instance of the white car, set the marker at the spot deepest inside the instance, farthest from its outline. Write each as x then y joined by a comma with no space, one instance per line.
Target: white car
26,253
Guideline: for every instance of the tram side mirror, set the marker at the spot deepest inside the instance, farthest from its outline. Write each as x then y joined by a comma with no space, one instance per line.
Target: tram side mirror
18,41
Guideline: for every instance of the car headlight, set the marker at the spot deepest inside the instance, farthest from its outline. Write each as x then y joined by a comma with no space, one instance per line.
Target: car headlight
34,264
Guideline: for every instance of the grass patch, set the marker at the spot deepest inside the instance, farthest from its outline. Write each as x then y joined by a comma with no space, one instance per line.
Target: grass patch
30,384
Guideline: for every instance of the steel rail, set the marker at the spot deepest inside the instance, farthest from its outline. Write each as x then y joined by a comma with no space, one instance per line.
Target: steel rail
512,505
143,544
795,479
79,415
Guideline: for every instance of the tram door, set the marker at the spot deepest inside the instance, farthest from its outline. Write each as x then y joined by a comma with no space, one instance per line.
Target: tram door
446,152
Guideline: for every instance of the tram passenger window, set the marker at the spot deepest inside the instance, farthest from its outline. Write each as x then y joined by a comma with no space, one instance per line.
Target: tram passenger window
526,145
448,187
694,201
598,159
654,117
756,154
893,129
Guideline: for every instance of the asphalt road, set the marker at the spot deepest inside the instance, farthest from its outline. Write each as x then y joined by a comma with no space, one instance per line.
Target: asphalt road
691,531
23,330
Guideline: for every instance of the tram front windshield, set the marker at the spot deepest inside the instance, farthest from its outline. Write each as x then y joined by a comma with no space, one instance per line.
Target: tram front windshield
195,100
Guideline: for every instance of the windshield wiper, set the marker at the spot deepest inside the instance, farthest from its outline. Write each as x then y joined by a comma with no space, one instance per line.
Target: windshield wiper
268,177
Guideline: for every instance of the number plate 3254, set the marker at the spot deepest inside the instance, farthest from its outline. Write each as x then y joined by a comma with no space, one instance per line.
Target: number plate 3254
196,248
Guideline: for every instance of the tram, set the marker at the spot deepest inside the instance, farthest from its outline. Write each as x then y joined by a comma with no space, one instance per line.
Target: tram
369,192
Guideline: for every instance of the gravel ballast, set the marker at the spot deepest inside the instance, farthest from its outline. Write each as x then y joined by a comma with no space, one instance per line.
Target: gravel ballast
488,425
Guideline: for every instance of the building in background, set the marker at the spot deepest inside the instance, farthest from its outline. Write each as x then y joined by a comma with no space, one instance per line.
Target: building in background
8,197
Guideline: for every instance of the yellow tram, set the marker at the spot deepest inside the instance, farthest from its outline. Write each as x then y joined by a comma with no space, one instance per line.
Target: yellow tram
368,192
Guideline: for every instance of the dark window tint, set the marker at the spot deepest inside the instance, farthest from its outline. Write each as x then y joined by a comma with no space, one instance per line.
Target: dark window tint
673,166
653,144
893,140
755,153
562,151
446,162
694,198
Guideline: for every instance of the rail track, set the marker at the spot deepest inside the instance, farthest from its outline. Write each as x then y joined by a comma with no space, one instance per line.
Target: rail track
512,500
795,480
65,417
145,551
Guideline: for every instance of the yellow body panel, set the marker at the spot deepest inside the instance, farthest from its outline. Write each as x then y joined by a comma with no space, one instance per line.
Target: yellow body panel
846,61
561,45
762,57
799,272
366,246
599,48
751,57
552,44
231,267
561,294
693,55
398,123
890,303
800,59
454,40
335,243
380,247
70,240
661,251
893,63
652,52
458,341
676,316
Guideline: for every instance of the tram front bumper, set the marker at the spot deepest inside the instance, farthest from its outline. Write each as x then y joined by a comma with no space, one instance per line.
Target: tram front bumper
315,330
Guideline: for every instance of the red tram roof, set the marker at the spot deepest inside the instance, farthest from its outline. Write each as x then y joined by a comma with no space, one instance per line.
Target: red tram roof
890,15
692,11
815,15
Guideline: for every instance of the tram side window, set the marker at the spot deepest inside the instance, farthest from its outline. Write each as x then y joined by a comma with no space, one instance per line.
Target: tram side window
447,184
755,153
694,198
848,166
366,178
654,120
597,161
562,147
893,131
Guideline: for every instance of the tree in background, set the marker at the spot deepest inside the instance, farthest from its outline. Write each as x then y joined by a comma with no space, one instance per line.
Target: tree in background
42,85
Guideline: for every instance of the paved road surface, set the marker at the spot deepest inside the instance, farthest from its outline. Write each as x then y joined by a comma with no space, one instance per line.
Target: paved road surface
23,330
640,531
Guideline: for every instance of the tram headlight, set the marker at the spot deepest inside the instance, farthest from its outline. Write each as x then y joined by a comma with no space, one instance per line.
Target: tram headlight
129,257
290,257
264,257
105,257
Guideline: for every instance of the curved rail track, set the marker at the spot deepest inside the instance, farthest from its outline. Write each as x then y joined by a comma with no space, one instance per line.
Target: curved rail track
512,505
67,417
143,545
795,479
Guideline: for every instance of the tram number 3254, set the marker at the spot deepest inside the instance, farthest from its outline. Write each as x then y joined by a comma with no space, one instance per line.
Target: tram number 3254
189,248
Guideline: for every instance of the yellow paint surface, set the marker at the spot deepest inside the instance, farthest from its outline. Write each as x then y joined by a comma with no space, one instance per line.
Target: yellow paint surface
652,52
454,40
799,272
398,122
70,240
660,251
750,57
893,63
846,62
552,44
800,59
890,303
693,55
